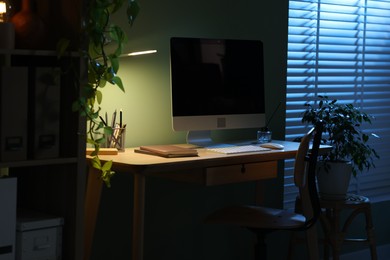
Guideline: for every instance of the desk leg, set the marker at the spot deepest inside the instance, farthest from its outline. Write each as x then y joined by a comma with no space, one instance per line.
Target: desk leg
91,208
138,216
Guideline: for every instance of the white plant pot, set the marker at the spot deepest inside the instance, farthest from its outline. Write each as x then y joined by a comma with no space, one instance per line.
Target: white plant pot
333,183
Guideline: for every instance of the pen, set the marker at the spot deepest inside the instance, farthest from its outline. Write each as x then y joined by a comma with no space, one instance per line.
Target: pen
104,122
122,129
115,136
120,118
113,120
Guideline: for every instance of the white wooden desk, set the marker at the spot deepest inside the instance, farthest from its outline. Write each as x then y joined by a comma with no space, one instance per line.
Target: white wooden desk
208,168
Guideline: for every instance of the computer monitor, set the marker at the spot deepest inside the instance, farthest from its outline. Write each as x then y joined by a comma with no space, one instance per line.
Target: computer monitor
216,84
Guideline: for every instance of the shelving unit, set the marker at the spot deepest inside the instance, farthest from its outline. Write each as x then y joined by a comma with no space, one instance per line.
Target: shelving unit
53,185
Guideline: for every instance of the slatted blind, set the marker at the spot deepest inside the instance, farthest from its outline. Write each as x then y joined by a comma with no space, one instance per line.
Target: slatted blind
341,48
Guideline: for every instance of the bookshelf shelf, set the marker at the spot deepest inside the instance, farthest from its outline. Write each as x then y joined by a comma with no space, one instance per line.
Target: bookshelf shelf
30,163
50,172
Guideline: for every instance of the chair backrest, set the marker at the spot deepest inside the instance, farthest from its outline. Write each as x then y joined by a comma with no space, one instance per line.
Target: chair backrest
305,174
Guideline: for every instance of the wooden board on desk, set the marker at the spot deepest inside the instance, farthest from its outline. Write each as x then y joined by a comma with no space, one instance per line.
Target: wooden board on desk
102,151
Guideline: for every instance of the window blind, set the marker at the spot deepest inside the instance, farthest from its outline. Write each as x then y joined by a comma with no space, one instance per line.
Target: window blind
341,49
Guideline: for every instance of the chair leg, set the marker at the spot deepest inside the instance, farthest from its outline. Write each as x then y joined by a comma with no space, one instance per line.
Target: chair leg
373,253
312,243
326,250
291,245
370,233
260,247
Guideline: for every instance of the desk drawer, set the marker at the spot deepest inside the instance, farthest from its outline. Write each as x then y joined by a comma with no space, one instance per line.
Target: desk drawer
241,172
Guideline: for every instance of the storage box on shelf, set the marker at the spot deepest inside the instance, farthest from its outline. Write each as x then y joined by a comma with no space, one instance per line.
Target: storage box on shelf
51,172
36,117
38,236
8,189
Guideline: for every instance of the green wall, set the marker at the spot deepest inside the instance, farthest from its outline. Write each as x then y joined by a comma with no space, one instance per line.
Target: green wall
146,103
175,211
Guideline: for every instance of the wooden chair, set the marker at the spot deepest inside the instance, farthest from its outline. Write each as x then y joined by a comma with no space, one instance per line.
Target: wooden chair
263,220
335,229
336,232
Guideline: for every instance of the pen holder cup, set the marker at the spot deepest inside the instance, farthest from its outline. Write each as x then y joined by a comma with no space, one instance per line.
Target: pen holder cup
117,139
264,136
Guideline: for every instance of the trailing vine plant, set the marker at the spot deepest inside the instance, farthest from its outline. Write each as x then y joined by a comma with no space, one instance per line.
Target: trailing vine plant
103,66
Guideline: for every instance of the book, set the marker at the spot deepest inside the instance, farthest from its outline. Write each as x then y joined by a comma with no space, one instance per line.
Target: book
167,150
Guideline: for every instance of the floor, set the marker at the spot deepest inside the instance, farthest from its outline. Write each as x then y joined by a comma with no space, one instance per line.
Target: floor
383,254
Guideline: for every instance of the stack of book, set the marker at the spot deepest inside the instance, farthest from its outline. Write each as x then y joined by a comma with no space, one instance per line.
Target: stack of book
167,151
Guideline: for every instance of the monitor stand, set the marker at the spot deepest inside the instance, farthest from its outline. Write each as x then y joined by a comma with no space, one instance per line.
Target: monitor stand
200,138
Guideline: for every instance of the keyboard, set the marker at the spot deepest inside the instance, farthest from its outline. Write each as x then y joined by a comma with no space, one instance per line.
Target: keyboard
238,149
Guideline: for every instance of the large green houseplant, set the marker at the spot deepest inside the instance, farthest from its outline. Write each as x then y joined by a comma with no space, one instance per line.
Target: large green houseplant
103,64
342,131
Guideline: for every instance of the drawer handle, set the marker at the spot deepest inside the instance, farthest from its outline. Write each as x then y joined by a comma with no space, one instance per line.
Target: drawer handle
243,168
42,247
5,249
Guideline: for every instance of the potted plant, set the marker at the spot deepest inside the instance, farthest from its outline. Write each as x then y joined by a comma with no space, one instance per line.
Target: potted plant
103,65
350,151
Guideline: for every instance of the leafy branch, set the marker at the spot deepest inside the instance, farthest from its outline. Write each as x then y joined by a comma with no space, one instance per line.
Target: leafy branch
103,67
342,124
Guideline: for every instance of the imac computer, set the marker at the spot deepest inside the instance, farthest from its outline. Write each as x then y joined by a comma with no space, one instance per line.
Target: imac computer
216,84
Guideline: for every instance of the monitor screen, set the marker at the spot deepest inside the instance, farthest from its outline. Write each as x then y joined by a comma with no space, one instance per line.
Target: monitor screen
216,84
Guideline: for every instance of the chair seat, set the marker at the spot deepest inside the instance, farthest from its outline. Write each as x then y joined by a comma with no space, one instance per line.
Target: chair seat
263,220
352,201
258,217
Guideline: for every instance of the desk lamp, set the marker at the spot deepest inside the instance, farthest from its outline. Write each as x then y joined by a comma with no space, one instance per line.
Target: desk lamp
7,31
137,53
